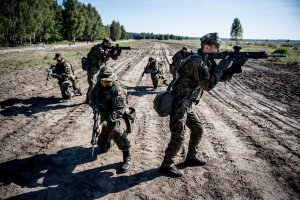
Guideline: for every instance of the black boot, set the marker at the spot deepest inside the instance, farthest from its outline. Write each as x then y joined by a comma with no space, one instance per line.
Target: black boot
127,162
172,171
194,161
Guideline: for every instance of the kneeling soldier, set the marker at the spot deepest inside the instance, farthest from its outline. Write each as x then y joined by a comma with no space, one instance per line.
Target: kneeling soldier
64,72
110,96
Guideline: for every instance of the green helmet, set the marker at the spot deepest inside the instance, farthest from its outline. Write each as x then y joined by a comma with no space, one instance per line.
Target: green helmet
106,74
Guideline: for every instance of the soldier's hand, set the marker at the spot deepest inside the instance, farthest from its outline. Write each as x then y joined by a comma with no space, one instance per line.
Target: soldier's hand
54,75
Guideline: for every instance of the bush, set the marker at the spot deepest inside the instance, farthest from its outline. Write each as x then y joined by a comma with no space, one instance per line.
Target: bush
281,51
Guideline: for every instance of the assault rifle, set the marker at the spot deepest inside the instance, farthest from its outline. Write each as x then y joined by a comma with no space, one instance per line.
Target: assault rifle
96,124
117,49
236,54
49,73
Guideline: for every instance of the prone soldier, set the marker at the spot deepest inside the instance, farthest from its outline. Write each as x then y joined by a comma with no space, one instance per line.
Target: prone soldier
64,72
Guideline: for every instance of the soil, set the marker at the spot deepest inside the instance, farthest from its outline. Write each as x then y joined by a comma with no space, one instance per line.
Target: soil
250,141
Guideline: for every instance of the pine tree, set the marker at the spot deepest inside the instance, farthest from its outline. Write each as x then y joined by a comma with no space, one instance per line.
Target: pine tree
236,32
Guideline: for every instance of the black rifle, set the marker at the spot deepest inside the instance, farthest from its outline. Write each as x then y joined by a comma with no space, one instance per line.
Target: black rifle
117,49
236,54
96,124
49,73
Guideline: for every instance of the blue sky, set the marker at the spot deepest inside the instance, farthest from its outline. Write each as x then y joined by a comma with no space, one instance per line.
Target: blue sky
261,19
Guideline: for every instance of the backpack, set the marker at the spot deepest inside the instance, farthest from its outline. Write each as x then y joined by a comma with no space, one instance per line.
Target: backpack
85,63
163,101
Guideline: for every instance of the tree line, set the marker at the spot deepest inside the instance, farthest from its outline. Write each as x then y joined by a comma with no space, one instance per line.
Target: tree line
35,21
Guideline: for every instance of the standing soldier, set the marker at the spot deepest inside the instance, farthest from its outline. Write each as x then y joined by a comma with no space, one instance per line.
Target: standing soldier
110,96
155,69
176,60
64,72
97,57
195,75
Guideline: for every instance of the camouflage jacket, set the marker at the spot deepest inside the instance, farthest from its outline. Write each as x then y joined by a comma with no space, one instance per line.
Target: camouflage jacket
178,57
64,71
153,68
196,73
98,55
113,102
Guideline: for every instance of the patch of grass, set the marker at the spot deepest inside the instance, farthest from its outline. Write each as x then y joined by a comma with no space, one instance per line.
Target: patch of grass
281,51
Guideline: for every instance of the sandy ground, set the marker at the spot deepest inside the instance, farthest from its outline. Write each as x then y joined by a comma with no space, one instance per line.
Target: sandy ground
251,135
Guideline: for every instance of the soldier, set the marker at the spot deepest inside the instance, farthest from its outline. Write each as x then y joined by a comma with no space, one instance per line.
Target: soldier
97,57
155,69
111,97
176,60
64,72
195,75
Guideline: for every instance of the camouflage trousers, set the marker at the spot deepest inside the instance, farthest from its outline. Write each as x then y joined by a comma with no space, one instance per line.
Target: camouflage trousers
92,78
181,116
115,131
155,79
66,88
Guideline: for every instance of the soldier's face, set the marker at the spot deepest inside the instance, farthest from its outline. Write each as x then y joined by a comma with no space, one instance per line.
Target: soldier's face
108,44
209,48
106,83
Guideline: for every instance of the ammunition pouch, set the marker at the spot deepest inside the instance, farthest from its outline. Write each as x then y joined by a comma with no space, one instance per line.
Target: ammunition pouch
129,118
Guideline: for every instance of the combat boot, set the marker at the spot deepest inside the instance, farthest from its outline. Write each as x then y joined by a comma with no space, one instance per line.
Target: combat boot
194,161
127,162
172,171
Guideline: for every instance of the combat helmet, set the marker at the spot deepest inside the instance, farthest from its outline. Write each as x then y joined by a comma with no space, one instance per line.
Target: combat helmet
210,39
106,74
58,56
150,59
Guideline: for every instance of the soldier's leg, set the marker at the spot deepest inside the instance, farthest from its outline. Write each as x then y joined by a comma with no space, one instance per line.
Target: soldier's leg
178,118
195,126
154,78
120,138
66,89
91,79
104,139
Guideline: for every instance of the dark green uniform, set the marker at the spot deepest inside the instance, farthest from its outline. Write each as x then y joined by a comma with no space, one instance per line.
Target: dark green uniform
195,75
63,71
176,60
155,69
113,105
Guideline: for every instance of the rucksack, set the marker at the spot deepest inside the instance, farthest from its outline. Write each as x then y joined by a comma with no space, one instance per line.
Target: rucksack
85,63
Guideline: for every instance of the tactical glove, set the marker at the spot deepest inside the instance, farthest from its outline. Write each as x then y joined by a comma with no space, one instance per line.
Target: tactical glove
223,64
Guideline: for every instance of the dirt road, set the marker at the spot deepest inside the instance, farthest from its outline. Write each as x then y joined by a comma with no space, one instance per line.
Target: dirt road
251,139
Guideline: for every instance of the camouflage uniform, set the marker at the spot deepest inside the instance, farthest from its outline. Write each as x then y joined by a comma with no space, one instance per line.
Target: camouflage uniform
63,71
176,60
113,105
98,56
155,69
195,75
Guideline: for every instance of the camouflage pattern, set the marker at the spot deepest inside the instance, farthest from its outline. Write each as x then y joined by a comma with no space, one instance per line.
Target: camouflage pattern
67,82
176,60
113,105
155,69
98,56
196,74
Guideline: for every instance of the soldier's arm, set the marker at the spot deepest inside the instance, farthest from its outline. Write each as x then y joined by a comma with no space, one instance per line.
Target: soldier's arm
93,96
119,104
207,80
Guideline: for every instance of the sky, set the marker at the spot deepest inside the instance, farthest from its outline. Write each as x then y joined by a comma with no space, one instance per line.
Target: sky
260,19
